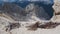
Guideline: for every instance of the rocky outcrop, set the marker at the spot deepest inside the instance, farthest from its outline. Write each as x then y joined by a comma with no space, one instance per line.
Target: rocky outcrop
56,6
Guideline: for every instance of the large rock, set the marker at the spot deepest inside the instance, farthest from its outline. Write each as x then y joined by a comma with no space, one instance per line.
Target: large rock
56,6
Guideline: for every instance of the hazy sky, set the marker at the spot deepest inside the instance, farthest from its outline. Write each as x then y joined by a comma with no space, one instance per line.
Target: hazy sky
25,0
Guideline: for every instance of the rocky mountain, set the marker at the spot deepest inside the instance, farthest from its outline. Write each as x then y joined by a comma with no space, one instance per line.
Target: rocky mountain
13,16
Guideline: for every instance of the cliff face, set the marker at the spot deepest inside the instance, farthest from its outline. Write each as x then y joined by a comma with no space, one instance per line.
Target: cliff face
56,8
